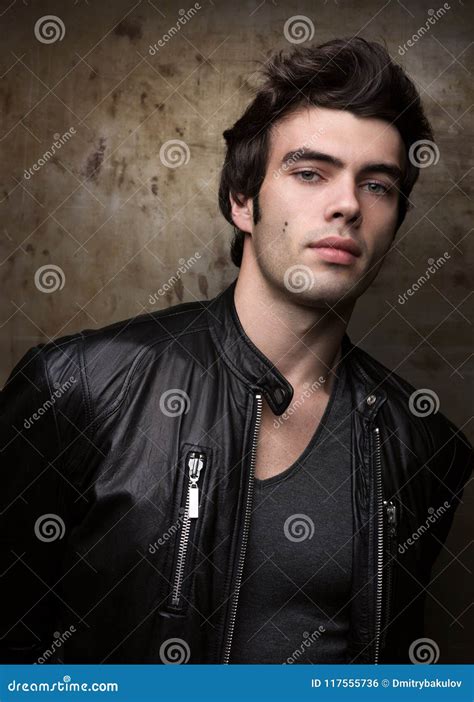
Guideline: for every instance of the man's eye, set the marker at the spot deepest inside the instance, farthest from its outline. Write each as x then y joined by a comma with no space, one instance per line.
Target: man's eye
307,176
376,188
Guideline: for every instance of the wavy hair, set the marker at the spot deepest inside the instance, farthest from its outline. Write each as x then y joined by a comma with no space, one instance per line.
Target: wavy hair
343,74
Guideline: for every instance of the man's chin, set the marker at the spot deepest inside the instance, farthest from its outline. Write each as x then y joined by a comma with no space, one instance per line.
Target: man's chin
318,298
318,288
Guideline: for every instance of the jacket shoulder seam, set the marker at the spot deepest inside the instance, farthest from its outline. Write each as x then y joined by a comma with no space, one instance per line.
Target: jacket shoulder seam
85,389
44,364
142,319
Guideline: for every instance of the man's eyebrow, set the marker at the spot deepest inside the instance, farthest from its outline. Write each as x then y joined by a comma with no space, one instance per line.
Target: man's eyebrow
303,154
389,169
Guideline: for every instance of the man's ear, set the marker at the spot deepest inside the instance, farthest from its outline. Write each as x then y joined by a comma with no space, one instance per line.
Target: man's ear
242,212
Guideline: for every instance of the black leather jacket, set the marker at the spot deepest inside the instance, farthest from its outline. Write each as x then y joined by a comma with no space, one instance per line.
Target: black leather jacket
104,430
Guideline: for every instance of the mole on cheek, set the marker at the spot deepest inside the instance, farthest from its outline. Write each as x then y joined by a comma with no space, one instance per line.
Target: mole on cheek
284,228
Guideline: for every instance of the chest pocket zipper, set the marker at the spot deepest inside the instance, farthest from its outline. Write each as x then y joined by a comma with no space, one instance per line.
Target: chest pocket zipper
195,465
391,555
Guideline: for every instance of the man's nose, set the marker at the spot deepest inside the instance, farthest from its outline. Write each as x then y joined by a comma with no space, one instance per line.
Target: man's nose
343,202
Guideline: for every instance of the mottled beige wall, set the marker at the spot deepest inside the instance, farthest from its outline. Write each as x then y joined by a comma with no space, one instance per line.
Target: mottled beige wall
117,220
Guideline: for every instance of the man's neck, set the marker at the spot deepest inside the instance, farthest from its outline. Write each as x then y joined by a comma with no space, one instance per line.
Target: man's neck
302,342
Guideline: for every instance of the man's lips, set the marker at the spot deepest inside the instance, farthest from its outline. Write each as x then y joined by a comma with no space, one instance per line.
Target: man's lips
338,242
336,249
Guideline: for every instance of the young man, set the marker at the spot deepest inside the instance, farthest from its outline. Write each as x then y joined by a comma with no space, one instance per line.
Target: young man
233,480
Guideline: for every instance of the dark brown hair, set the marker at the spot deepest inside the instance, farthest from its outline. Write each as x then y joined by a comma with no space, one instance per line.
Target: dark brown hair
344,74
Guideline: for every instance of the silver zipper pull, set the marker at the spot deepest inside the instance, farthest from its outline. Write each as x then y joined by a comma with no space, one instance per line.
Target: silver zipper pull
391,515
195,466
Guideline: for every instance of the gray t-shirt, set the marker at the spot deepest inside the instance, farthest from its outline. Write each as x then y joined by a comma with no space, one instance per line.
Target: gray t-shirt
294,600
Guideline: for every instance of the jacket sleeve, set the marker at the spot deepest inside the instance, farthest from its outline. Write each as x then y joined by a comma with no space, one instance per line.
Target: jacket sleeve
451,466
33,519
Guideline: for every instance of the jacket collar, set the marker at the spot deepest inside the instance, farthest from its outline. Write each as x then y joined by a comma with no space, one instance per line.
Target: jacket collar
249,364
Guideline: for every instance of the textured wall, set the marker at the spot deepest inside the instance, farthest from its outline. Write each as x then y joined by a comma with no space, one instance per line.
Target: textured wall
117,218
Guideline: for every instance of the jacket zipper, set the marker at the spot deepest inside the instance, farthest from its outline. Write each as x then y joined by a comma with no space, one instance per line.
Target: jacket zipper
195,463
379,570
391,512
240,567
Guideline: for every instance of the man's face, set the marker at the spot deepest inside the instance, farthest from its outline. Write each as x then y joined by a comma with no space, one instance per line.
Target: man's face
346,188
